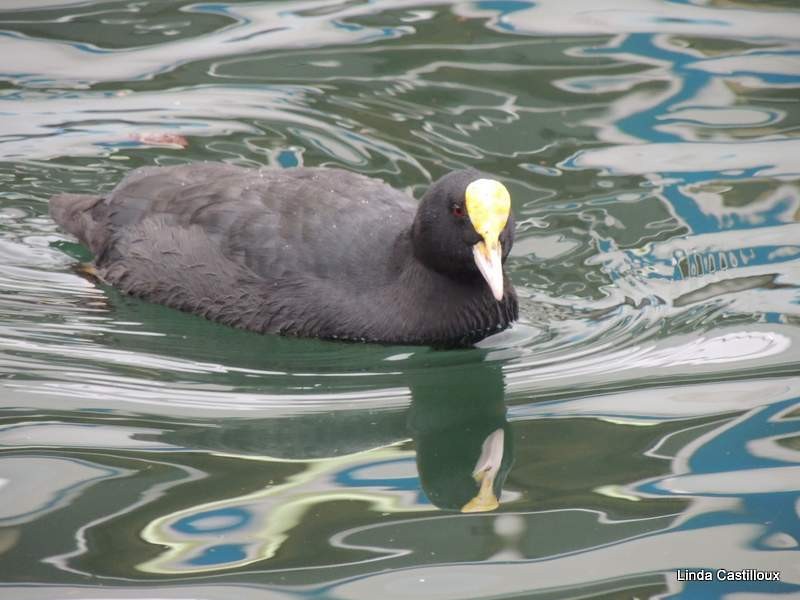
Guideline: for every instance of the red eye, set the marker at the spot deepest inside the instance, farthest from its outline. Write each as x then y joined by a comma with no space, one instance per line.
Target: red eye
457,210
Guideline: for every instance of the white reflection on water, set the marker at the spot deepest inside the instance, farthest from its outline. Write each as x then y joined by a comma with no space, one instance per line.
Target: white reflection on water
242,529
666,403
32,486
38,125
189,399
577,17
761,63
726,352
41,4
254,27
173,591
778,158
741,481
648,554
43,434
659,359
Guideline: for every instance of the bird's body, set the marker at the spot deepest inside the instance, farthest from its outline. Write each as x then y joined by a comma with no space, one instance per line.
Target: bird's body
309,251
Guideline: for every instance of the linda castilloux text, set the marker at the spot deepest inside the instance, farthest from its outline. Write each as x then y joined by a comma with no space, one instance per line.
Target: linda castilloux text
726,575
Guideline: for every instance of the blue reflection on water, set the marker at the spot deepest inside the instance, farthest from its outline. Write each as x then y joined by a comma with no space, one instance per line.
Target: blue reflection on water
721,589
226,519
350,478
220,554
288,159
647,124
687,81
643,124
505,7
772,511
728,450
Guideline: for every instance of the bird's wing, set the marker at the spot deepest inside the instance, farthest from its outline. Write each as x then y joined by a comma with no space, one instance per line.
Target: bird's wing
322,223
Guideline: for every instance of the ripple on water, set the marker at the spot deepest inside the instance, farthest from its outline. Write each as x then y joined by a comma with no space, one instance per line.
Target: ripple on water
644,407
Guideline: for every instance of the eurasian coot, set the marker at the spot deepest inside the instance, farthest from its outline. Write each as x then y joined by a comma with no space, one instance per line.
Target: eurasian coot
310,252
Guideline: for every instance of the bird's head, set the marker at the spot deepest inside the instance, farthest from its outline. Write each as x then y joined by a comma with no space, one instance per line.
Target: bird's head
464,225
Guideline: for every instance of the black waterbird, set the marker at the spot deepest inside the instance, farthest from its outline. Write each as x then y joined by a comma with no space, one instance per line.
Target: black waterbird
310,252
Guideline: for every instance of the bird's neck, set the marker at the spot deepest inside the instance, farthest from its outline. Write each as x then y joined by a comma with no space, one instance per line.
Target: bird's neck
452,307
416,304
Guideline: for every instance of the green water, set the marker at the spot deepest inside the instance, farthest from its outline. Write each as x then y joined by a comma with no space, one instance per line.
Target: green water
642,415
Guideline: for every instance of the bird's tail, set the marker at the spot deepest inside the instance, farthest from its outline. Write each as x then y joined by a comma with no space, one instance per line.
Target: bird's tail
73,212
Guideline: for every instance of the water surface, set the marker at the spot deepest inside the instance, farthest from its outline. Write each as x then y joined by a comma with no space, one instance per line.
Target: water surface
642,416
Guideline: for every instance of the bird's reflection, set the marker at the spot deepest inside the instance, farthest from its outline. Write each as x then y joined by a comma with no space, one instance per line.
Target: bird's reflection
463,440
456,419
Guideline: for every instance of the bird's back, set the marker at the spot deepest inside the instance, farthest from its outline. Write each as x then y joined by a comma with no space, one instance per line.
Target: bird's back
319,222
